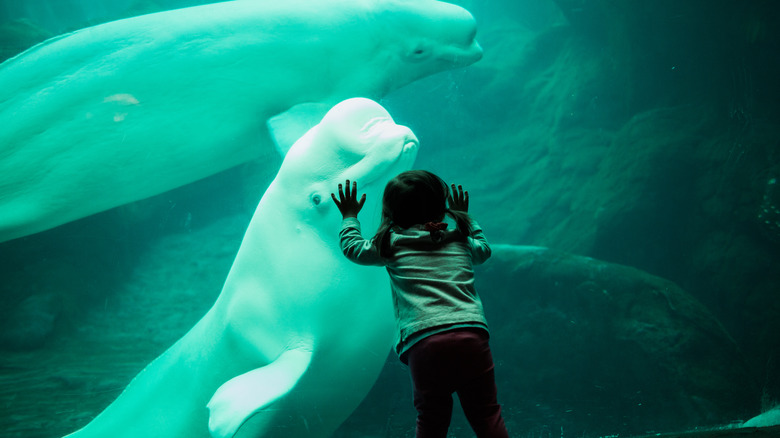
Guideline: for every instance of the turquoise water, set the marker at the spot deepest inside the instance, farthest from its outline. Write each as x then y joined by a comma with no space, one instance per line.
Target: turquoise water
641,136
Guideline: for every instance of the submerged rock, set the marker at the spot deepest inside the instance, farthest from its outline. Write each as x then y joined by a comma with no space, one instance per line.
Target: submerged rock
607,348
30,323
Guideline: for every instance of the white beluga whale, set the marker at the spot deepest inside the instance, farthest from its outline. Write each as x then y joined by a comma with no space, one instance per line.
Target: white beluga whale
128,109
298,334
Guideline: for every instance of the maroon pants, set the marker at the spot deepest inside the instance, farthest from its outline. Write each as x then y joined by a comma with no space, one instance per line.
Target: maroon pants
455,361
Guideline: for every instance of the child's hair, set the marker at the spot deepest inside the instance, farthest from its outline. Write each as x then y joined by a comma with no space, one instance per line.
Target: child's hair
415,197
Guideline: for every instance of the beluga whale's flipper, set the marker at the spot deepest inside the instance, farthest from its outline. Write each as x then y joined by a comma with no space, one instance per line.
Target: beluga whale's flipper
254,393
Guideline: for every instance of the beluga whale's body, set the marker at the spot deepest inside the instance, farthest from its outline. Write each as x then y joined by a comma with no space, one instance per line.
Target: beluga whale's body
298,334
128,109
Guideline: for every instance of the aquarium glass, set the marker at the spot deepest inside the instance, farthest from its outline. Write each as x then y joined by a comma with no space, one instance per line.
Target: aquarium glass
622,158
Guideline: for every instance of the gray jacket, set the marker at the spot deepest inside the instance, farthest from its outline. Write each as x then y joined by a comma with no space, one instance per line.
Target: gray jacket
432,280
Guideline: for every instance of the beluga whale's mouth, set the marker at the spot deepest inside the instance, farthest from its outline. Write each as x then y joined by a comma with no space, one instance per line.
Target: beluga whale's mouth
468,51
455,29
410,146
380,165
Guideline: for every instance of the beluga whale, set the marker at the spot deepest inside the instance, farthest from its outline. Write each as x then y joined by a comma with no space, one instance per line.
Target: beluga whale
298,334
128,109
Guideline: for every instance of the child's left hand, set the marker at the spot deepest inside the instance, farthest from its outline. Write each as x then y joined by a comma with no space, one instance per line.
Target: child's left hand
347,203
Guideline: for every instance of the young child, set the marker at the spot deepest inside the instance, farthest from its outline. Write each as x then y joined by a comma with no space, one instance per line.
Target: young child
443,334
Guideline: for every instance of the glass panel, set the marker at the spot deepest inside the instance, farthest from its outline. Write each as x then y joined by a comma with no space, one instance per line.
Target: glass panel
621,157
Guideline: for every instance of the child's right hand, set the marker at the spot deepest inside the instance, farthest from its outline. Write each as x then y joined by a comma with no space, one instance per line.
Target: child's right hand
347,203
458,199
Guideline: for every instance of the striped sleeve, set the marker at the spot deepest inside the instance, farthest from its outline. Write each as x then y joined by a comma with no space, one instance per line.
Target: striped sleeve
355,247
480,248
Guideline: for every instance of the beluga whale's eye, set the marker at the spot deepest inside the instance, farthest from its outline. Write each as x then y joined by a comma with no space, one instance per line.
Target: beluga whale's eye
316,198
418,52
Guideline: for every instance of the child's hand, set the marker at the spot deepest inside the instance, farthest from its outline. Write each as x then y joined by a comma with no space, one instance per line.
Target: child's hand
347,203
458,199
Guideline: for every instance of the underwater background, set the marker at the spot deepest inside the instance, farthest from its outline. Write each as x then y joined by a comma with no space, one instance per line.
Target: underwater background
638,140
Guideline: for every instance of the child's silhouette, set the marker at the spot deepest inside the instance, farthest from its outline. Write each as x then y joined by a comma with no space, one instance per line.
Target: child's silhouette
442,331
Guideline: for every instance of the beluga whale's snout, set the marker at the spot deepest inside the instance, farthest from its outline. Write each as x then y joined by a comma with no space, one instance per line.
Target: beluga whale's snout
465,49
459,29
437,36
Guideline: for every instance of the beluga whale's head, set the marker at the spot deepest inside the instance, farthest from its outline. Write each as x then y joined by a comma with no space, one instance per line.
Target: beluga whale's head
442,35
356,140
409,40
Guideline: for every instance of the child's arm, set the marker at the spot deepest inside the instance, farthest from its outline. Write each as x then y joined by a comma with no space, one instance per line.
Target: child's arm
480,249
353,245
